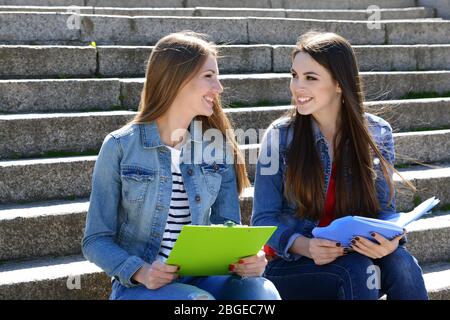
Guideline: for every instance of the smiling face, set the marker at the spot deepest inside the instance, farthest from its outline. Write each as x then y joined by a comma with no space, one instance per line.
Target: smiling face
313,88
198,95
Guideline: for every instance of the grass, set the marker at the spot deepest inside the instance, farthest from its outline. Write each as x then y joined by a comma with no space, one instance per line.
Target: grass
417,200
429,128
262,103
402,166
445,207
425,95
55,154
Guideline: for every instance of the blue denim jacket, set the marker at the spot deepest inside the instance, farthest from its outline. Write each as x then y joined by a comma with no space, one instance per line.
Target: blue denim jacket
270,207
131,191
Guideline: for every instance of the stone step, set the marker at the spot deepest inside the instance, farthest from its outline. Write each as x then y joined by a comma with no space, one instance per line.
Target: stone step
69,28
36,95
403,115
55,228
75,278
70,177
410,148
34,135
437,280
291,4
428,181
54,278
42,229
24,61
384,14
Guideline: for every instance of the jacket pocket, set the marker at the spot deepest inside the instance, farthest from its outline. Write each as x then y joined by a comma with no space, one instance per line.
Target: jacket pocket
135,182
212,174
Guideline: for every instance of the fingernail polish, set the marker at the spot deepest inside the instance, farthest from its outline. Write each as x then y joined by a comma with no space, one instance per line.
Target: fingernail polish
357,238
231,267
373,234
241,261
345,250
353,241
338,244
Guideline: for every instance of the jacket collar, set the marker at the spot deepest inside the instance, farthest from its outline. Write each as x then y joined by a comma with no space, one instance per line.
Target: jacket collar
316,131
150,137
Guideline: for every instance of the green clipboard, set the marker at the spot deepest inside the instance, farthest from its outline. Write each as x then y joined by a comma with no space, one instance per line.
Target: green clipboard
209,250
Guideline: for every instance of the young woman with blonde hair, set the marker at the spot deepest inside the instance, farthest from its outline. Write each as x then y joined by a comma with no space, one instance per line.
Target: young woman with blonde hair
152,177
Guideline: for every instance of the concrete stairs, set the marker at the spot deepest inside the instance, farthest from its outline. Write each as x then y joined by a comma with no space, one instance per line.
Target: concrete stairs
60,94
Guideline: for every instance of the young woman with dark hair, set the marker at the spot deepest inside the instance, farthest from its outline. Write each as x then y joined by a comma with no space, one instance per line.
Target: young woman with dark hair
333,159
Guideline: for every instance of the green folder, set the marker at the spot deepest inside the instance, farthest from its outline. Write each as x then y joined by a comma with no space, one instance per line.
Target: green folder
209,250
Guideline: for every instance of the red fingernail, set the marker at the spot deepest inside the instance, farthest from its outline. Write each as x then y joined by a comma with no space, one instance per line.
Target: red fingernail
373,234
231,267
241,261
357,238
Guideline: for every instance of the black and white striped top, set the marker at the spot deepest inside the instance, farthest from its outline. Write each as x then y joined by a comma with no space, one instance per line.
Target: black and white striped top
179,213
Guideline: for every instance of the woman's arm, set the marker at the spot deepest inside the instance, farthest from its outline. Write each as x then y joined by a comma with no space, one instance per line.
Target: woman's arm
98,244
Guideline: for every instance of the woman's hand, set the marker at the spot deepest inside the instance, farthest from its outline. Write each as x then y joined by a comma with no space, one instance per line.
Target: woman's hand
156,275
251,266
324,251
376,250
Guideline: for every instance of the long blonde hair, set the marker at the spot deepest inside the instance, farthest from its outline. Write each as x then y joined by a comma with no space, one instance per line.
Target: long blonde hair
174,61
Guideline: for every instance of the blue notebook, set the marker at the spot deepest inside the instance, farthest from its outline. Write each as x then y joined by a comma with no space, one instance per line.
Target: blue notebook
344,229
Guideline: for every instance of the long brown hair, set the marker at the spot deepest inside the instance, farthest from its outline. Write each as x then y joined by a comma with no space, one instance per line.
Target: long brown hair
354,148
174,61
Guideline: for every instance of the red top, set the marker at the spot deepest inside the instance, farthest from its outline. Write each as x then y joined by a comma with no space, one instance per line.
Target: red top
328,214
330,200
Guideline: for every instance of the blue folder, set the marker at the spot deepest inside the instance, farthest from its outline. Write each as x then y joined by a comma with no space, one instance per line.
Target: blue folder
344,229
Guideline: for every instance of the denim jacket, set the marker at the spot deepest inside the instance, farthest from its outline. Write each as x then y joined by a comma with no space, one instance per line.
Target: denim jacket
270,207
131,192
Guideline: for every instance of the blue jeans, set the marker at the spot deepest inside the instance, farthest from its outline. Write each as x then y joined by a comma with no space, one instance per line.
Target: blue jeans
352,277
201,288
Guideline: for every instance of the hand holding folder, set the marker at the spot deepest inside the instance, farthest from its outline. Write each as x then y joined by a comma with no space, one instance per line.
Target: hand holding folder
344,229
209,250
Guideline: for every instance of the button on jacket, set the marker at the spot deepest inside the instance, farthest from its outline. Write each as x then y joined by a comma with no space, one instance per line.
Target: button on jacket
131,192
270,207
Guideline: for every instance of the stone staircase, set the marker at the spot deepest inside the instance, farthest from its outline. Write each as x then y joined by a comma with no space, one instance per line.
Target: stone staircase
62,89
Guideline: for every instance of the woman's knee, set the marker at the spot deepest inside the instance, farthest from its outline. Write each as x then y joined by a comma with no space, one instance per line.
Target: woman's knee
173,291
359,277
252,288
400,263
355,263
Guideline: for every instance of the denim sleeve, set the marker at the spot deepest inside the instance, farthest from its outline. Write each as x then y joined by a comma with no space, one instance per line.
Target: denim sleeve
268,196
226,206
98,244
382,187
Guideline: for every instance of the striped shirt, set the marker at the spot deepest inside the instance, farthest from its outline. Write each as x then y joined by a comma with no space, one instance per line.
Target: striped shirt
179,214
